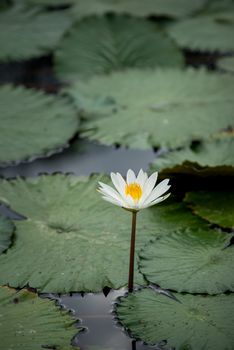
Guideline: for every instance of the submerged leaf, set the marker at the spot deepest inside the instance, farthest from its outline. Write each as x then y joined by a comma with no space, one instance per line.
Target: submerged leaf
195,322
28,33
6,231
122,42
29,322
194,260
216,207
32,123
146,108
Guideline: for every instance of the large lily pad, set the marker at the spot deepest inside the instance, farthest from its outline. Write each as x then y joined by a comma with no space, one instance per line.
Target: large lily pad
216,207
168,8
26,33
214,157
167,108
6,231
122,42
204,33
29,322
33,123
194,260
195,322
69,223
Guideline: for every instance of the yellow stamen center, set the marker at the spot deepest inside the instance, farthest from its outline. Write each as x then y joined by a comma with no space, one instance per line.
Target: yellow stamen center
134,190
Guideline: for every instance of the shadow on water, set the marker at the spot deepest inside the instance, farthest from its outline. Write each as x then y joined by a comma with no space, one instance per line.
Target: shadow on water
101,330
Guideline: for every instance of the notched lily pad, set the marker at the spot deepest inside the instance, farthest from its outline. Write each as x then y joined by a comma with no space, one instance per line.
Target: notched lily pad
194,260
216,207
32,123
27,33
195,322
6,231
204,33
168,108
122,42
69,223
168,8
210,158
29,322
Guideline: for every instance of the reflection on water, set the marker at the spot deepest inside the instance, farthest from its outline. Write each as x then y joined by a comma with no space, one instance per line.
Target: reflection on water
95,312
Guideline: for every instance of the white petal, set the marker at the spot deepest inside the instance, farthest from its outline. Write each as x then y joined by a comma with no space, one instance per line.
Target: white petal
156,201
160,189
122,184
141,178
109,191
148,187
131,177
111,200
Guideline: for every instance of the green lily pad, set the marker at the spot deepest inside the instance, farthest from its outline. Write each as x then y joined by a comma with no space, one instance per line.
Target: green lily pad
29,322
168,8
70,223
49,2
221,10
32,123
226,63
204,33
195,260
168,107
122,42
195,322
6,231
27,33
216,207
214,157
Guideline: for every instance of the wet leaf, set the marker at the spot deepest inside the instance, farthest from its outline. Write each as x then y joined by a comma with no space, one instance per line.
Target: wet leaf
168,108
26,33
69,223
29,322
6,231
214,157
195,260
122,42
33,124
168,8
196,322
216,207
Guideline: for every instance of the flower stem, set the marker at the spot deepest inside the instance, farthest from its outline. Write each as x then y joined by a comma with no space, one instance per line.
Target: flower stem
132,253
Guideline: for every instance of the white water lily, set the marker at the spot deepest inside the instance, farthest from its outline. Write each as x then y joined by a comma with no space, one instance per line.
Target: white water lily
137,192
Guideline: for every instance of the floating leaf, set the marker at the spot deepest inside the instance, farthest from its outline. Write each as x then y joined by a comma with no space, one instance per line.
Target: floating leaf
203,33
49,2
194,260
195,322
168,8
226,63
145,108
216,207
122,42
29,322
68,222
6,230
215,157
33,123
28,33
221,10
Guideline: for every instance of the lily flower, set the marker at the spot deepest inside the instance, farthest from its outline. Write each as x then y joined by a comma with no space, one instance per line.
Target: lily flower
137,192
